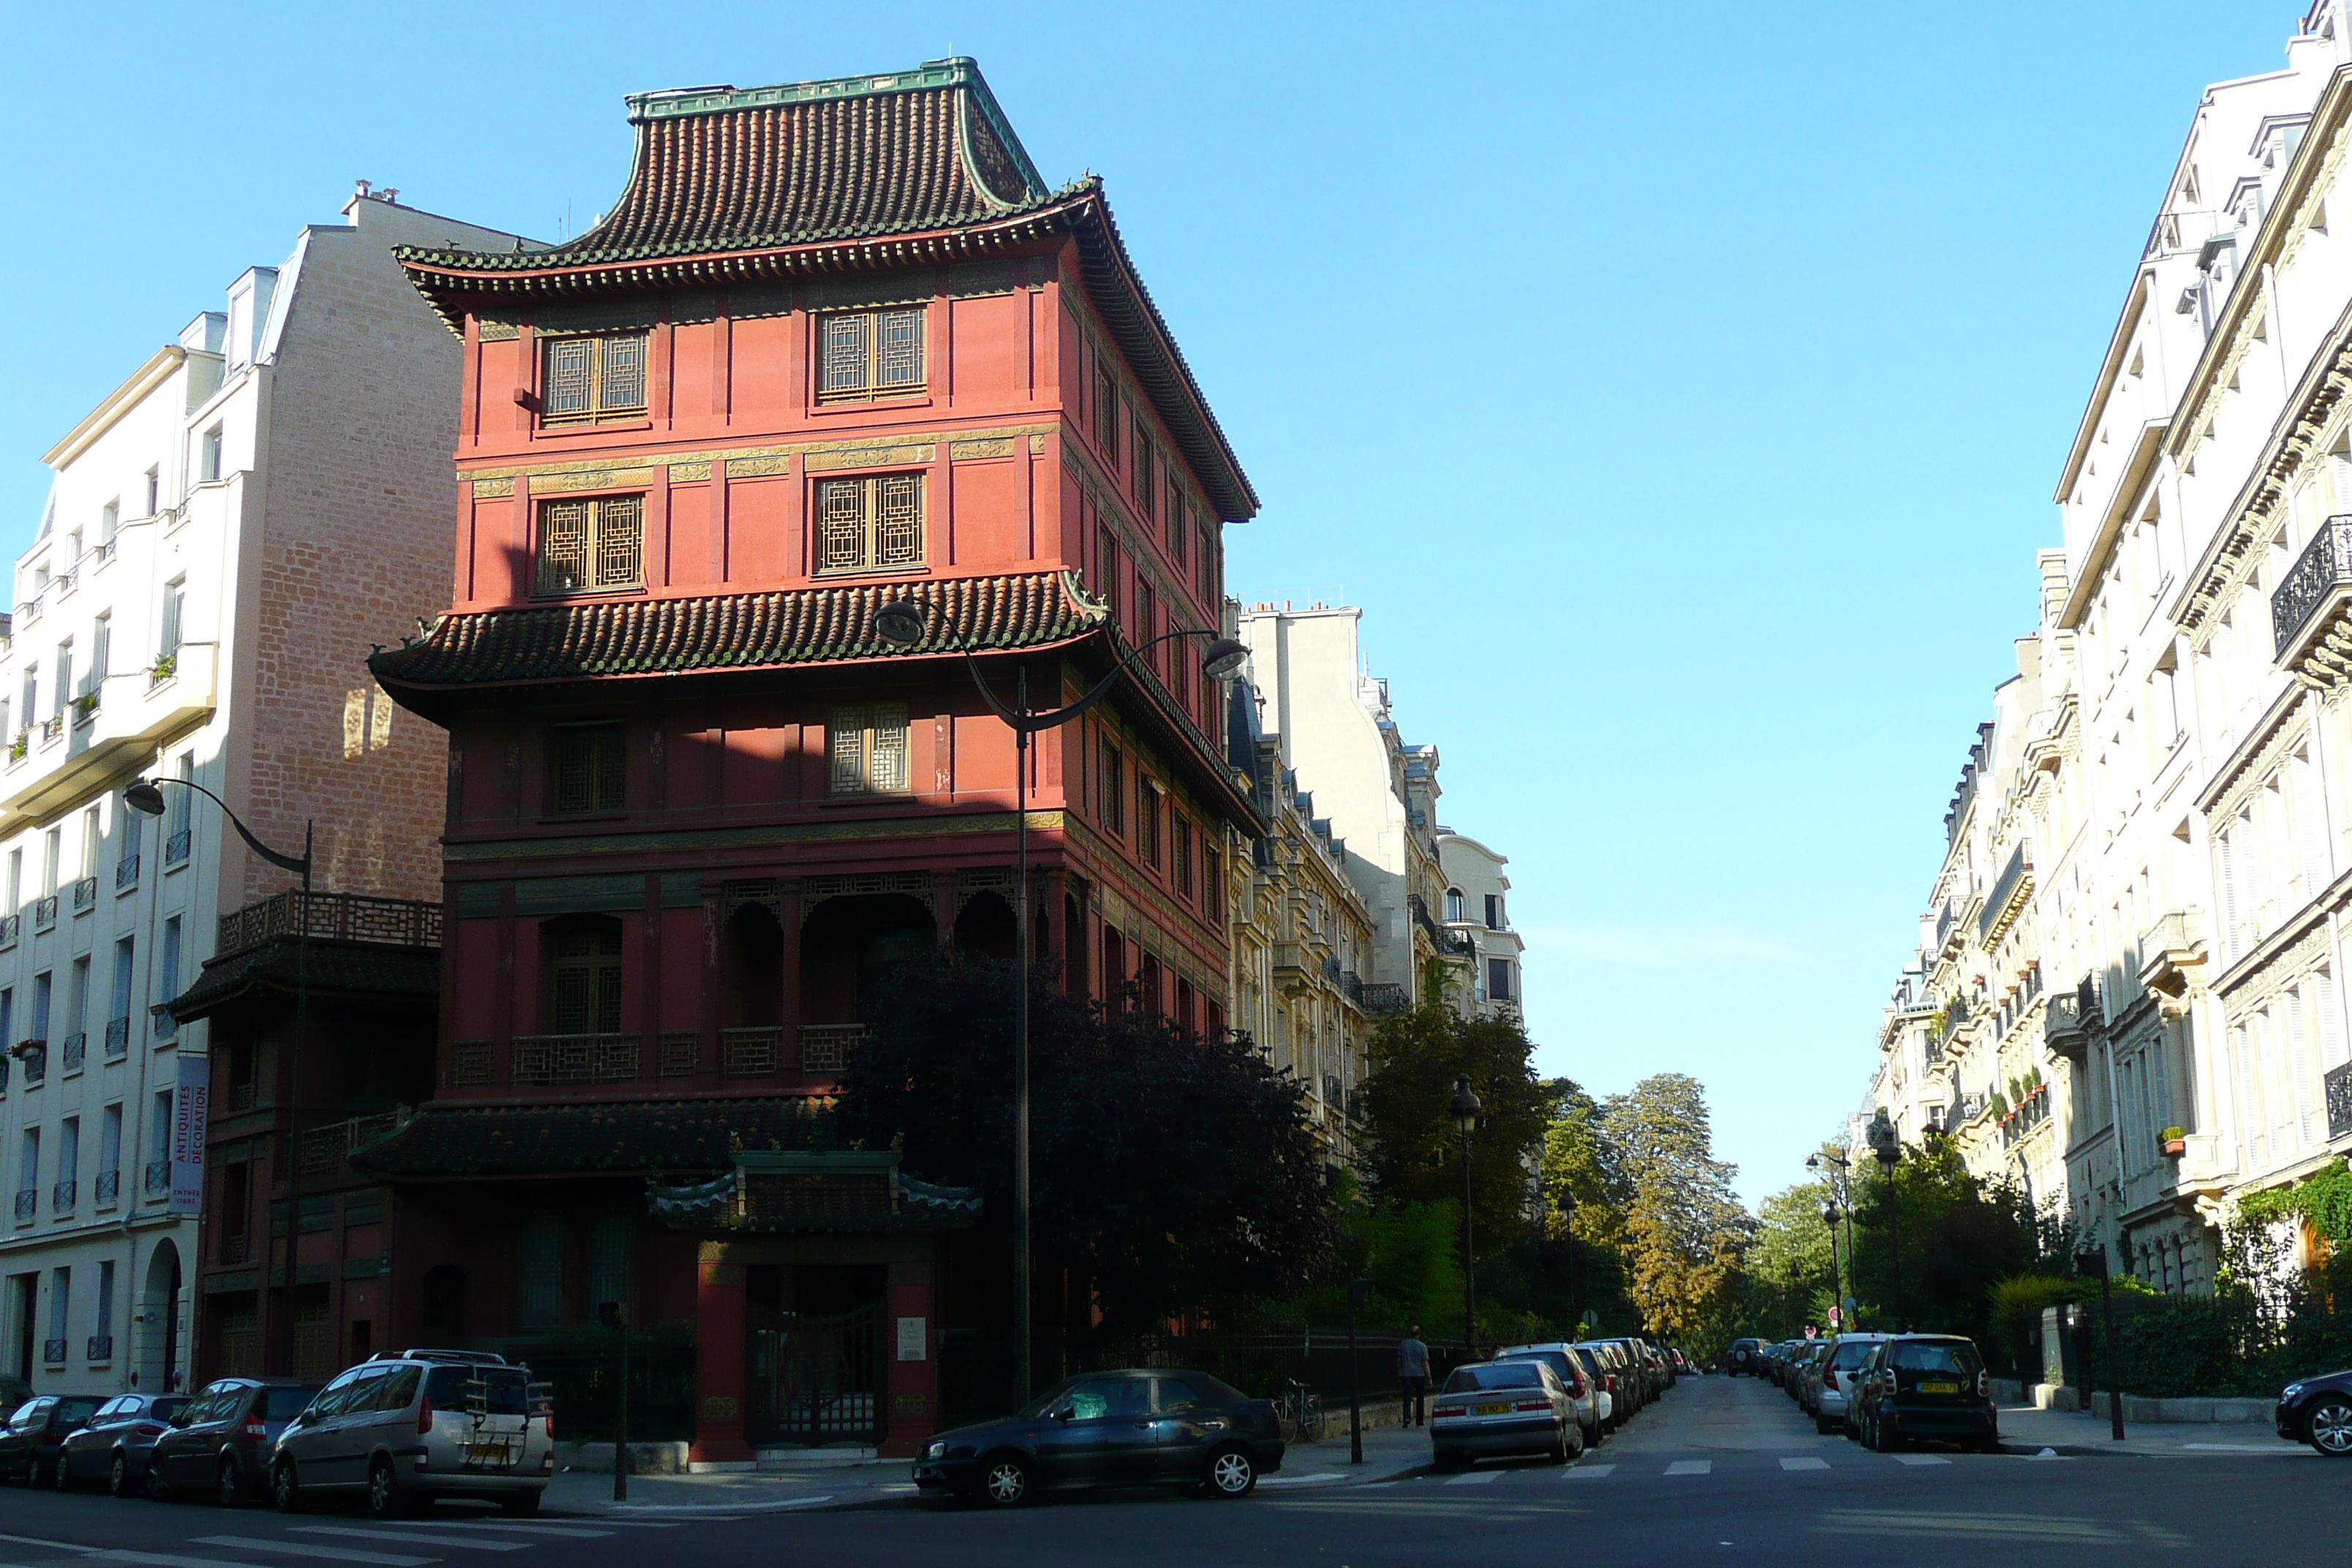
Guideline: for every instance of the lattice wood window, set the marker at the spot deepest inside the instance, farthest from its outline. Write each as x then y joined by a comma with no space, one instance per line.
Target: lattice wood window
1182,867
866,750
1180,524
588,380
1114,790
1146,616
1143,487
1213,881
870,525
1205,565
1106,567
1107,410
585,978
1147,821
588,546
869,353
590,768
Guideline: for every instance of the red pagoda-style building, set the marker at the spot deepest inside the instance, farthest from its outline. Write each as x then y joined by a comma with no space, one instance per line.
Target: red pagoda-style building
835,346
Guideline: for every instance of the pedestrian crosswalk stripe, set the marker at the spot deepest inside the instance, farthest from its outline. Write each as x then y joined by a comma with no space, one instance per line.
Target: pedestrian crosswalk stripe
1808,1463
309,1549
1921,1460
416,1538
576,1532
1475,1477
163,1560
1691,1467
1589,1472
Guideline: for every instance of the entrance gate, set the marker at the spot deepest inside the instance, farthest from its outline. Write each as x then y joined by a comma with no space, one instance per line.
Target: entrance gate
815,1379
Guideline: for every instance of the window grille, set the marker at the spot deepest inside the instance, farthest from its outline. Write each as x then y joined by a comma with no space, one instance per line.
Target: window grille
1183,861
1205,565
1180,518
589,379
1107,568
590,768
1107,410
586,975
1142,486
1114,790
1213,883
588,546
1146,822
870,353
866,750
870,525
1147,617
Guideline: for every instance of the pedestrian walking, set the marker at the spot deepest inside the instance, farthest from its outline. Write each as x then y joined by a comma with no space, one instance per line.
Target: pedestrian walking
1412,1376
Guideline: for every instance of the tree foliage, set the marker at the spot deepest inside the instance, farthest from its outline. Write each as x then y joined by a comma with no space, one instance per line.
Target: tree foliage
1414,1149
1934,1240
1170,1173
1685,1233
1790,1277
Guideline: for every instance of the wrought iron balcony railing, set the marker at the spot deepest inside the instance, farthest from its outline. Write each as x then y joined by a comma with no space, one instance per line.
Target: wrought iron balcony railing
62,1196
333,917
2324,567
9,926
1386,999
53,1352
28,1204
175,850
85,894
2339,1100
158,1176
118,1036
826,1047
100,1347
44,912
545,1060
75,1047
107,1190
126,873
36,1060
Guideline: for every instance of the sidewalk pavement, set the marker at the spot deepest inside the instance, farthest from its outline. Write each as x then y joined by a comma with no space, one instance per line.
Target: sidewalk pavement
1390,1453
2073,1433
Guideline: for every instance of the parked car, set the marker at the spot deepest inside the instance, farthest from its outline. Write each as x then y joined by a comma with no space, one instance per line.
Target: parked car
1112,1429
406,1427
221,1442
1745,1359
1565,1364
1928,1385
114,1447
1624,1387
1808,1375
1497,1408
2318,1411
1834,1407
36,1433
1590,1358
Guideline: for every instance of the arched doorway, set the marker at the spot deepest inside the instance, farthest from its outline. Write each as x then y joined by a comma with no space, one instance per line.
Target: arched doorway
851,946
156,1365
985,929
751,969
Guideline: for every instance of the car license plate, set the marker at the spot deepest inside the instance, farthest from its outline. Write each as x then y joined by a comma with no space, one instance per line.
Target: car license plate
1494,1410
489,1452
1940,1388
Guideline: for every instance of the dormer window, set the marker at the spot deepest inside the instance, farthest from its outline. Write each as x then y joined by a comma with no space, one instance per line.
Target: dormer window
588,380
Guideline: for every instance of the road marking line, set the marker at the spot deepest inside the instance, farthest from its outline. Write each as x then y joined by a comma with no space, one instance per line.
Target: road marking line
1805,1464
577,1532
54,1545
1475,1477
1312,1478
1921,1460
1587,1472
2282,1449
163,1560
1691,1467
304,1548
416,1538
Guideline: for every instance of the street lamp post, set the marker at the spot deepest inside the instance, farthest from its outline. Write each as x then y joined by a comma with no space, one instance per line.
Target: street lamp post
2093,1260
1842,1185
147,800
1465,1108
1837,1285
901,624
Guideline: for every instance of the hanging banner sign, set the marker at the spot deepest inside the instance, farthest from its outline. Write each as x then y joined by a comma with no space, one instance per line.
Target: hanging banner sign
190,1111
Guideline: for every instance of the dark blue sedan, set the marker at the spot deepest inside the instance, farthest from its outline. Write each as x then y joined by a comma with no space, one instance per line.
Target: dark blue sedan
1112,1429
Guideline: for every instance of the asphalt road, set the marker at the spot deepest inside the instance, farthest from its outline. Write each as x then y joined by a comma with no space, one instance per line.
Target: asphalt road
1719,1471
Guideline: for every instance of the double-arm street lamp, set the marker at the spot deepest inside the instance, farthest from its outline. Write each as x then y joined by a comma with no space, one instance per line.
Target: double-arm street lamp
1465,1108
1841,1184
145,798
902,624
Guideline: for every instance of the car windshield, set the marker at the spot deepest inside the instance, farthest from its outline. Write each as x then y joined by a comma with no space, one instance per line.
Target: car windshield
73,1412
1494,1375
505,1390
1955,1357
1851,1352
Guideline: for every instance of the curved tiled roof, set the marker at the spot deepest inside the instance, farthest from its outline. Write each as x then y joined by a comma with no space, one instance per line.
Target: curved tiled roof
734,631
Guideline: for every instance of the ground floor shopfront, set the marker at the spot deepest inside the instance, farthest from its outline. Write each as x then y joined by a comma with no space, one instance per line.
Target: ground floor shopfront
100,1307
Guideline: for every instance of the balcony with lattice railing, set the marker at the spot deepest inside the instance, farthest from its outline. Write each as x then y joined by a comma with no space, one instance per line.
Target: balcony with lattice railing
827,1047
547,1061
332,917
2308,608
322,1148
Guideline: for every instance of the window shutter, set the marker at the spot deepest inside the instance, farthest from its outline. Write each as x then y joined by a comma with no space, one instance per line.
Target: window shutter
2229,896
847,741
887,749
2299,1062
898,532
612,767
562,546
2328,1006
900,358
570,370
622,384
620,541
843,346
842,506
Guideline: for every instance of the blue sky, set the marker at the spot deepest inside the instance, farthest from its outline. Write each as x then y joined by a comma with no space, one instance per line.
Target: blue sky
1679,389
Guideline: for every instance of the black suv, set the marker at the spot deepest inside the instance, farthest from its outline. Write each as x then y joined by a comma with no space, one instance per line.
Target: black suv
1744,1358
2318,1411
1926,1385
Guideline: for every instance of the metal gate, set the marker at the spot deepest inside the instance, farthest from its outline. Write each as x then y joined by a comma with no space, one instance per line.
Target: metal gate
815,1379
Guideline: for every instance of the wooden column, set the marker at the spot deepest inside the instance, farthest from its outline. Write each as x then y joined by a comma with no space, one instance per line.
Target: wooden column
718,1335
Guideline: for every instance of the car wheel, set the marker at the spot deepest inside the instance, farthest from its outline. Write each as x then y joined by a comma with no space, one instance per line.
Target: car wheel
384,1497
1575,1443
157,1488
228,1487
62,1475
117,1478
1232,1473
2330,1426
286,1486
522,1503
1005,1483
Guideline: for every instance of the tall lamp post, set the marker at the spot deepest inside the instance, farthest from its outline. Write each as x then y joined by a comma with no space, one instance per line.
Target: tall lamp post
1842,1185
1837,1285
902,625
1464,1110
147,800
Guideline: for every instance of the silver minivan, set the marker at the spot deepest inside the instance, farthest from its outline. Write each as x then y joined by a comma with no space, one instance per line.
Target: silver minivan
409,1426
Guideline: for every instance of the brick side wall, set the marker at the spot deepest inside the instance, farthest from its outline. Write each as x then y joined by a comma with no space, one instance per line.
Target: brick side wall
356,545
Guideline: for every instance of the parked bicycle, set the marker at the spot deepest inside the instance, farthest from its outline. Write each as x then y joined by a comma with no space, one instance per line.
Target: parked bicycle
1300,1410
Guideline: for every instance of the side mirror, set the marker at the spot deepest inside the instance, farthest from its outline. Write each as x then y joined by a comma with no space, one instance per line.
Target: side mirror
1061,1413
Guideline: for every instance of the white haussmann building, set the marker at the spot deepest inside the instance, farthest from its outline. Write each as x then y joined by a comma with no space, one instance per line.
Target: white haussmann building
226,535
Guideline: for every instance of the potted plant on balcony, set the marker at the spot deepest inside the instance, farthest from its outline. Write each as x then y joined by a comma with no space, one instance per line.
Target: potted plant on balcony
84,706
2172,1142
166,666
20,745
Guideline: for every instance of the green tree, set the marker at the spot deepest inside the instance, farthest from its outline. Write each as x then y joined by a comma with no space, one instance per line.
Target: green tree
1413,1148
1686,1233
1789,1264
1933,1239
1170,1174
